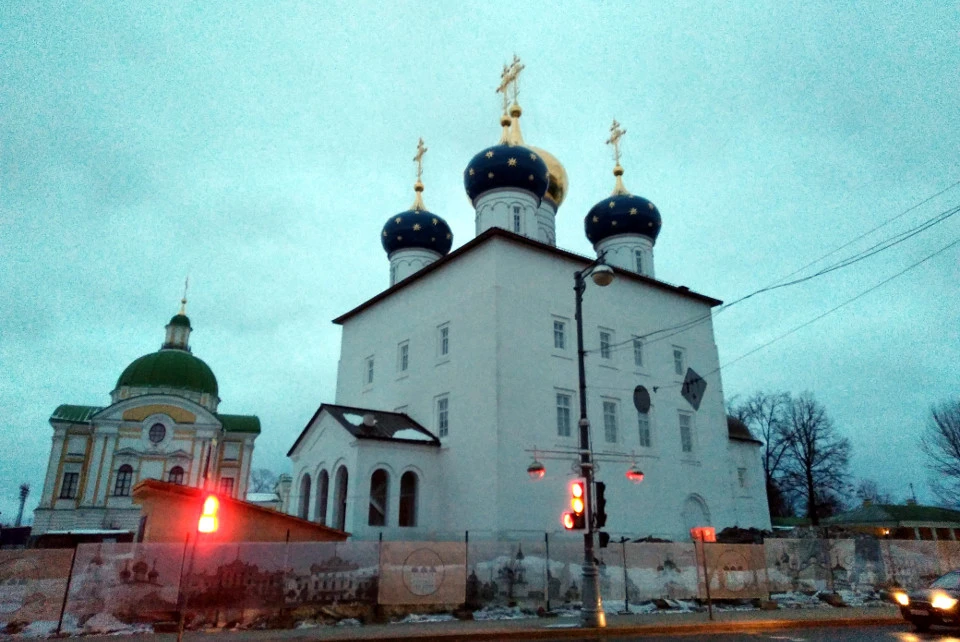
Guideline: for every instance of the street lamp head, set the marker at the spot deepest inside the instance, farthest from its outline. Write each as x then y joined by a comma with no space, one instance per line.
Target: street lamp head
536,470
635,474
602,275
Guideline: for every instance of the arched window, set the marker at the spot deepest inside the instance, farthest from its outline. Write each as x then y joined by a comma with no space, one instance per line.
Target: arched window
340,499
379,487
695,512
408,499
175,476
304,511
124,481
323,489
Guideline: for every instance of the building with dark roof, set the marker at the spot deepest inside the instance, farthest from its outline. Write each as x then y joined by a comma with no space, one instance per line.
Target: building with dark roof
163,422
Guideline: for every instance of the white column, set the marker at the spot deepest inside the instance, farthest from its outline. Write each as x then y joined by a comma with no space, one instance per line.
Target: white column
50,481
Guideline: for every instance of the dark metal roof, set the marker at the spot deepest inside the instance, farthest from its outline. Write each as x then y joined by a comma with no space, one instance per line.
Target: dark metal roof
240,423
74,414
893,514
496,232
738,430
385,426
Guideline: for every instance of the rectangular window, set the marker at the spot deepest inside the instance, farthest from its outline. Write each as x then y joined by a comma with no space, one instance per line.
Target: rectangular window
516,222
403,356
606,339
68,487
610,421
638,352
638,256
643,423
678,361
226,486
742,477
368,371
564,402
231,451
443,340
686,432
443,416
559,335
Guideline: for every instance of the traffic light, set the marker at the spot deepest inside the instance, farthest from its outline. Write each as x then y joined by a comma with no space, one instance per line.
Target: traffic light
604,539
576,518
601,504
209,516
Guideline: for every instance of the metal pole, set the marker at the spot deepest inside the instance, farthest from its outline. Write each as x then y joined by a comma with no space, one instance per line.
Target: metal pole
546,578
626,590
66,590
591,611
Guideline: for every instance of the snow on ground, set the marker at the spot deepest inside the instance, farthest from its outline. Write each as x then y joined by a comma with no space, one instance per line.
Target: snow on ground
414,618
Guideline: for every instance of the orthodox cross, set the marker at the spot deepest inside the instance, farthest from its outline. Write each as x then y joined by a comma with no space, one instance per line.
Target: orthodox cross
507,77
418,159
615,135
183,301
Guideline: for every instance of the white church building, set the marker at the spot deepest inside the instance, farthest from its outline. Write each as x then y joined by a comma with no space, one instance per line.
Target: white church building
464,369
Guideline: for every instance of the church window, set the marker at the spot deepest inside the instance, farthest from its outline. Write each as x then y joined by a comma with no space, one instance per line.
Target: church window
408,499
678,361
610,421
638,352
643,423
304,512
403,356
68,487
564,402
443,340
226,486
559,335
443,416
368,371
686,432
157,433
124,483
175,476
638,256
606,339
742,477
379,490
516,219
231,451
323,488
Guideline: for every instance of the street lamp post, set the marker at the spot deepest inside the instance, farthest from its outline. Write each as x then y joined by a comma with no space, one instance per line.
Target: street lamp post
591,613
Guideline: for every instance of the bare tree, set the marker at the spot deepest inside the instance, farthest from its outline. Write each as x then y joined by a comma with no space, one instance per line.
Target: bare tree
262,480
868,490
765,414
817,457
941,444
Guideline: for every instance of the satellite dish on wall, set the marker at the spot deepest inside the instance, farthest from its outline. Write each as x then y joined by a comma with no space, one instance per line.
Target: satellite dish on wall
641,399
369,420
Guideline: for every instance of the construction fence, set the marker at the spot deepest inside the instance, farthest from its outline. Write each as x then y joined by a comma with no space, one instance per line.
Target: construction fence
251,583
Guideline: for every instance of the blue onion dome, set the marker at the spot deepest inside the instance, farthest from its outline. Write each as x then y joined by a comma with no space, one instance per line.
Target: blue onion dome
417,228
622,213
506,165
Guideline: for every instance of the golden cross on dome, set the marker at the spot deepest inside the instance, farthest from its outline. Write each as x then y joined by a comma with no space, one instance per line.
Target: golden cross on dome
509,77
615,135
418,159
183,301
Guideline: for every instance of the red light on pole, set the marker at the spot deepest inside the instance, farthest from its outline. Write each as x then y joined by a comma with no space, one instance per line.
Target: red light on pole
209,517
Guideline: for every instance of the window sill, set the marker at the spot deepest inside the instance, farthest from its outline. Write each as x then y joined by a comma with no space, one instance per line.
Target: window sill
562,355
402,375
690,461
609,366
443,360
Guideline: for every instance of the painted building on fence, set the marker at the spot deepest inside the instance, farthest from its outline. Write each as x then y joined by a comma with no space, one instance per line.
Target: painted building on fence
451,378
163,422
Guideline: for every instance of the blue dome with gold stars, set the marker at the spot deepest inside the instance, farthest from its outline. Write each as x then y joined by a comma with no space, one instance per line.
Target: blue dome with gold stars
506,166
416,228
622,214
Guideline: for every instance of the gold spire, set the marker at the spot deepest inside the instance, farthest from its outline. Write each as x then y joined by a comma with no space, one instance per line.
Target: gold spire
418,186
183,301
615,135
509,81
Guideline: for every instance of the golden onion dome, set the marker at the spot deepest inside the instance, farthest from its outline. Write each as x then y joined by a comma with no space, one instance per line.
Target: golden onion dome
557,187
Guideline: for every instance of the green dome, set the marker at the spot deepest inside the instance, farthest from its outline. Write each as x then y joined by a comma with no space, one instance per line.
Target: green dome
169,369
180,319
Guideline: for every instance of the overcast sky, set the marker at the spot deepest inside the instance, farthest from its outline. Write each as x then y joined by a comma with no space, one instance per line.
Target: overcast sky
259,147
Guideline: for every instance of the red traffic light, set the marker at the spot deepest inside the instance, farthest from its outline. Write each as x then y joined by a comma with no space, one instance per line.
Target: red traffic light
569,521
209,516
577,519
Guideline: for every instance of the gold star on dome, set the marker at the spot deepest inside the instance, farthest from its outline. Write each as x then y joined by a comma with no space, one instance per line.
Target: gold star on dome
435,221
489,154
613,223
512,162
633,211
399,237
612,204
448,235
533,157
596,219
433,238
416,227
530,177
470,171
397,220
490,175
650,224
384,234
650,205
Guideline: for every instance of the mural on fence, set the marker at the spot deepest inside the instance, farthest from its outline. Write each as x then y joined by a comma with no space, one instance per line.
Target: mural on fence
662,571
414,573
736,571
32,583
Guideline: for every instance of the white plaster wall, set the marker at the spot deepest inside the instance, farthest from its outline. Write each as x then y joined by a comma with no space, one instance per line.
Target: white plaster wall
407,261
327,446
547,223
496,208
621,252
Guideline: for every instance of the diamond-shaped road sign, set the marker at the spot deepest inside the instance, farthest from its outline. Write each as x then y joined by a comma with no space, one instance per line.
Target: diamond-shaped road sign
693,388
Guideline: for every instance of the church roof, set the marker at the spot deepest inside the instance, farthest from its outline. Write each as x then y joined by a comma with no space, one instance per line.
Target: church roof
894,514
495,233
240,423
380,425
169,369
738,430
74,414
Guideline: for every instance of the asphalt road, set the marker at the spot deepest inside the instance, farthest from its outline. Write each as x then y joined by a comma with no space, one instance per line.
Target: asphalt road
902,633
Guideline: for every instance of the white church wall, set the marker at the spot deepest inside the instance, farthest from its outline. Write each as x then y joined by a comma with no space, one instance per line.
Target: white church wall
310,458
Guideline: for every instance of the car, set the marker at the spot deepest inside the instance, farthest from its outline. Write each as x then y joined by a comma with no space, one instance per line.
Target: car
937,604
